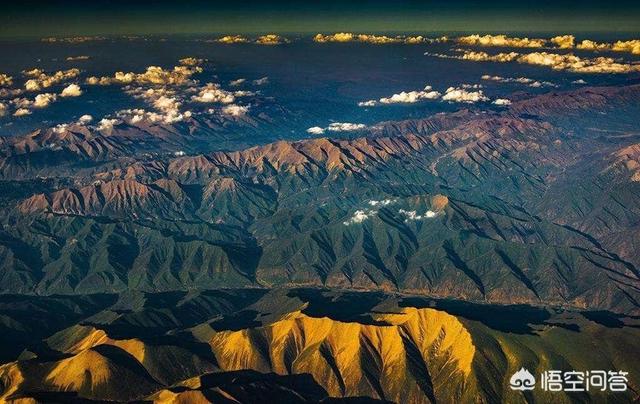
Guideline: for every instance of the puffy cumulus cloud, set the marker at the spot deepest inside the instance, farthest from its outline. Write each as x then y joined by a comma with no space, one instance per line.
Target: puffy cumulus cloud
106,124
519,80
478,56
564,41
374,39
406,97
461,94
359,216
381,203
579,81
412,96
235,110
588,44
271,39
412,215
74,58
72,90
337,37
22,112
261,81
85,119
555,61
501,40
162,99
213,93
337,127
5,80
315,130
632,46
191,61
576,64
485,57
155,75
369,103
168,116
502,101
237,82
345,127
230,39
43,100
38,79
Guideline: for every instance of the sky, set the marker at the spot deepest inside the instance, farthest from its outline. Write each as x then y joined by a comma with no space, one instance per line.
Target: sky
116,17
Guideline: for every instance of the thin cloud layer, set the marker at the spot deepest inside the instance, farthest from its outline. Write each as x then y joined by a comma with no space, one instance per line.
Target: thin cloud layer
519,80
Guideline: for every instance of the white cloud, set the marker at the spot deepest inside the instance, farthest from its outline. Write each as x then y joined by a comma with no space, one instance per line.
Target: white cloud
337,127
231,39
359,216
271,39
237,82
261,81
459,94
22,112
179,75
43,100
383,202
213,93
85,119
412,215
72,90
345,127
502,101
235,110
106,124
564,41
579,81
39,79
407,97
375,39
74,58
631,46
501,40
369,103
555,61
191,61
519,80
316,130
411,96
5,80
